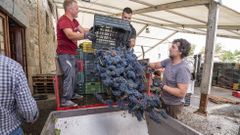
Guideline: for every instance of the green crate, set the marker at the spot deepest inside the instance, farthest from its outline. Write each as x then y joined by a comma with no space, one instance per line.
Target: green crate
93,87
80,77
80,89
91,77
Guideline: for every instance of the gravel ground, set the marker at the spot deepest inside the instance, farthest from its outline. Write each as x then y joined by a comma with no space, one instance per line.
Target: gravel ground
223,120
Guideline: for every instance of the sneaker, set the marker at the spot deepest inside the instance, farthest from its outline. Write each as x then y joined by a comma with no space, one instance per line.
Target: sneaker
68,103
76,96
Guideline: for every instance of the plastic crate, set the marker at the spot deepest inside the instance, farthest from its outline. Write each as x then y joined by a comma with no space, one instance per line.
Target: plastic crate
89,67
110,32
92,77
80,77
236,94
80,88
93,87
87,47
187,99
79,54
89,56
87,44
80,65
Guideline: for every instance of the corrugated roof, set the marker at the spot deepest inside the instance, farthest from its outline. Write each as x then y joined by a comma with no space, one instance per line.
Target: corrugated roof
187,16
164,13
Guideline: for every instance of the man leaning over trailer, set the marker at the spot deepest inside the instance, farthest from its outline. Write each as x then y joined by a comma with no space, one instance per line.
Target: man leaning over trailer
69,31
16,102
176,77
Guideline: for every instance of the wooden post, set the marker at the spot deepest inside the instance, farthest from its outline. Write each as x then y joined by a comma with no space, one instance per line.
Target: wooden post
39,33
209,53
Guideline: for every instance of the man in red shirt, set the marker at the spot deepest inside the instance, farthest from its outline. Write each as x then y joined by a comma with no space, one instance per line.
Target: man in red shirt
69,31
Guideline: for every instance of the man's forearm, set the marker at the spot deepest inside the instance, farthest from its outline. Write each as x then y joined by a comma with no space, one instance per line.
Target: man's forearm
76,36
174,91
155,65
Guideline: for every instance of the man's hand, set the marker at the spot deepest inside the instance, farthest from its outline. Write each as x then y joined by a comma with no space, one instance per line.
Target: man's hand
158,83
90,36
132,42
161,85
157,73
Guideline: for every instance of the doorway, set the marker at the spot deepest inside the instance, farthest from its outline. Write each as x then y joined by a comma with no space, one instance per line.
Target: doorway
17,43
12,40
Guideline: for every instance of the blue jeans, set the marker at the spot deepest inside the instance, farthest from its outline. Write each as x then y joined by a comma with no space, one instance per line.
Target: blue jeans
17,131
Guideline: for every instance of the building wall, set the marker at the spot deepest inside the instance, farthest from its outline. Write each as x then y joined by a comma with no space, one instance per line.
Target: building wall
39,32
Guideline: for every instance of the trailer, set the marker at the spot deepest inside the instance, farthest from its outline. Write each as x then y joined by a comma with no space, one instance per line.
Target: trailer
99,119
105,121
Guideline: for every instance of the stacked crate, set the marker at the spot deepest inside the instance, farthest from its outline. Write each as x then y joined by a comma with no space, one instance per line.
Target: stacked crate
88,79
80,72
92,78
43,83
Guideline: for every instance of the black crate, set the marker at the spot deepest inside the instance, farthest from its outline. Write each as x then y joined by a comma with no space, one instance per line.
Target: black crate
110,32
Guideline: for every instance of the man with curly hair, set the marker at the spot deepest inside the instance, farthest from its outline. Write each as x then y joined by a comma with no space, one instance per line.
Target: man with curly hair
176,77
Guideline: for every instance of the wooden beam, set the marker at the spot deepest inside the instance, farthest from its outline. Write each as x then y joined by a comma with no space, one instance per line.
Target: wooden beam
185,16
181,30
166,38
150,38
225,27
172,12
142,2
234,32
213,16
173,5
143,46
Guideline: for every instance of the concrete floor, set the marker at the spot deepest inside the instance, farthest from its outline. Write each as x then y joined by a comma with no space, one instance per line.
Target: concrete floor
222,119
216,91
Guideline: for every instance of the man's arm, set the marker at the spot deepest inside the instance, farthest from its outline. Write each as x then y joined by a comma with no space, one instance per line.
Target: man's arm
73,35
182,79
133,37
132,42
180,91
26,105
155,65
82,30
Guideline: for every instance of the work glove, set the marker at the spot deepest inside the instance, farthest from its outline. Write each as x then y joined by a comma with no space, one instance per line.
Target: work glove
158,83
157,73
89,36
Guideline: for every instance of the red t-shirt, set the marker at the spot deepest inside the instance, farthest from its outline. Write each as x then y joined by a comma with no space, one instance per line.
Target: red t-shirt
65,45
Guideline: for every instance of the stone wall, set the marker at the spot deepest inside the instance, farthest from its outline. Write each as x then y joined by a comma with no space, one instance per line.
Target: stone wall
39,21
